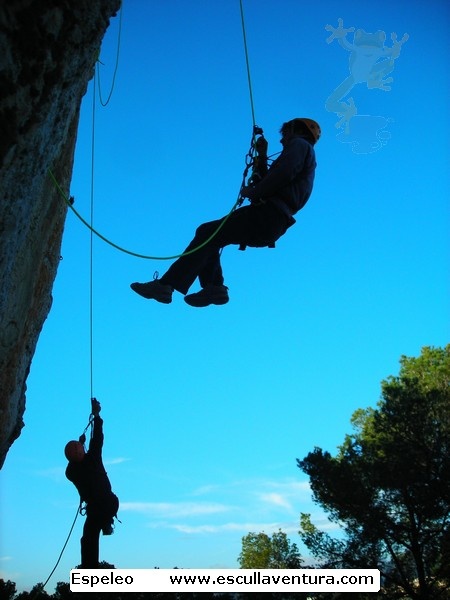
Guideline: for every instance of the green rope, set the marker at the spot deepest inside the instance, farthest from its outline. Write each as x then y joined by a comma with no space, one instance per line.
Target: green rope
117,247
115,67
247,62
239,198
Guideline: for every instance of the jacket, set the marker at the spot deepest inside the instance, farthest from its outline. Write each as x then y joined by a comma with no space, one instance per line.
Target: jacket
89,476
289,181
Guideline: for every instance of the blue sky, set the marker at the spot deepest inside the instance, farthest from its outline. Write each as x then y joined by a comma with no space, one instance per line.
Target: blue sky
206,410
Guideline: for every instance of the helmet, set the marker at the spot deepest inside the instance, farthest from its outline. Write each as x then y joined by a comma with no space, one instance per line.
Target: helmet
313,127
74,451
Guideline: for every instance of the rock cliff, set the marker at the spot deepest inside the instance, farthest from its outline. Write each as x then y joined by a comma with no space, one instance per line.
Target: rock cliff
48,50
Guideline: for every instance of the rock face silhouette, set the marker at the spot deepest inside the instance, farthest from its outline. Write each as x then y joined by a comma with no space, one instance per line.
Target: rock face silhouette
48,51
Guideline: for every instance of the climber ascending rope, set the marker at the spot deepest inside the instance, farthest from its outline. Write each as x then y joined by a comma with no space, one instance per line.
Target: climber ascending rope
86,471
276,194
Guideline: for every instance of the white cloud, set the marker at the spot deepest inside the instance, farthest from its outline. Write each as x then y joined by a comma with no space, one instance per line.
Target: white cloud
116,461
276,499
205,489
292,488
285,489
172,510
288,495
242,528
273,505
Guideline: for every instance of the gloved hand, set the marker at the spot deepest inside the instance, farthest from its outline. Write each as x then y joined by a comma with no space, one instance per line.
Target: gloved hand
96,408
261,145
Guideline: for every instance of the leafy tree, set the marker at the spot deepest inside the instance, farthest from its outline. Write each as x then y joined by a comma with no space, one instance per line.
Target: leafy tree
37,593
389,485
62,591
259,551
7,589
255,553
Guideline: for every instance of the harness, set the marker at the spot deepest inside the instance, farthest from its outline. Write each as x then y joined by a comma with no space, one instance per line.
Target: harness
258,163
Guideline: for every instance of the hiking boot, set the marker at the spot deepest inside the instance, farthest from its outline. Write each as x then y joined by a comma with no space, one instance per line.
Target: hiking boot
210,294
154,290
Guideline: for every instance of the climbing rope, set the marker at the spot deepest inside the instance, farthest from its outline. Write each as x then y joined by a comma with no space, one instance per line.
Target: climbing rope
69,202
247,63
90,424
249,160
98,69
63,548
91,250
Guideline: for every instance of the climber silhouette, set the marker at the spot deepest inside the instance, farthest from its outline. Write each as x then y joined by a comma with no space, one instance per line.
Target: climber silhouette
278,194
86,471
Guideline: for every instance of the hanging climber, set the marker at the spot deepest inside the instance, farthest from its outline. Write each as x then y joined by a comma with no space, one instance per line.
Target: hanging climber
275,194
86,471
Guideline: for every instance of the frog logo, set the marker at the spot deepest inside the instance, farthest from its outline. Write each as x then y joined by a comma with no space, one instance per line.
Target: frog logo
371,62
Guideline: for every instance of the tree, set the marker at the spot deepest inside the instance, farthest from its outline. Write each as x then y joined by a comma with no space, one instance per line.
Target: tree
37,593
389,485
259,551
7,589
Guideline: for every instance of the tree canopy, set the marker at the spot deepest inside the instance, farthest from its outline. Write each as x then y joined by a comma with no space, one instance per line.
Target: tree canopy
388,487
260,551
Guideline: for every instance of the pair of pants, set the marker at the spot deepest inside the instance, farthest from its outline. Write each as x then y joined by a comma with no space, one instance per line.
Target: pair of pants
90,543
99,515
253,225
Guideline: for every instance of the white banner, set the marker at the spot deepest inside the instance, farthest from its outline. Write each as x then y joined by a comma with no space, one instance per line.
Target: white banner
225,580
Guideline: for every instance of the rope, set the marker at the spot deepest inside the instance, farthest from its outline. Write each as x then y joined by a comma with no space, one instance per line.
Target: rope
91,251
63,548
90,424
115,67
125,250
249,159
247,62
